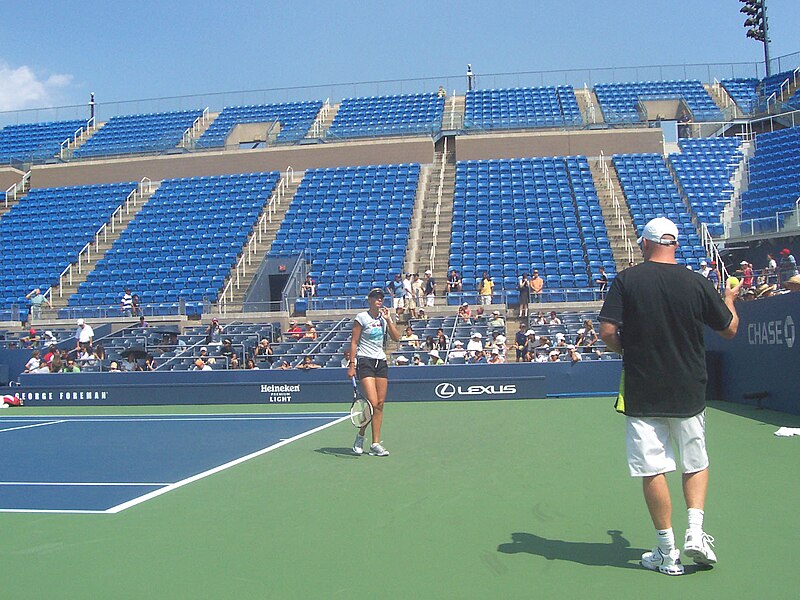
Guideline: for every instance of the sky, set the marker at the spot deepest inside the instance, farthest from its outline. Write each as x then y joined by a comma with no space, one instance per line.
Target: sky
55,52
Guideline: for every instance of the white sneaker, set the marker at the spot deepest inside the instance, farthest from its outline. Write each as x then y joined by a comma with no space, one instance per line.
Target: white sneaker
656,560
378,450
358,445
698,546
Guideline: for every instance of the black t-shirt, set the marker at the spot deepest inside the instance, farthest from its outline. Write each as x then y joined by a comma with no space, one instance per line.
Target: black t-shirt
661,309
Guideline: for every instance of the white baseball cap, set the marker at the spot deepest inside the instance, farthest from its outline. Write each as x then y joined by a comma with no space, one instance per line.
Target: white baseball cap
81,321
477,335
434,352
656,229
500,339
530,332
401,359
703,263
428,272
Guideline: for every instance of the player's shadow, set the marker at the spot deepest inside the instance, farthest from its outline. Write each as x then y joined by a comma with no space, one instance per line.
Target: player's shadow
617,553
338,452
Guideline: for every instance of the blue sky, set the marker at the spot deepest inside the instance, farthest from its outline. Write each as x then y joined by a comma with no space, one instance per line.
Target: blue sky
55,52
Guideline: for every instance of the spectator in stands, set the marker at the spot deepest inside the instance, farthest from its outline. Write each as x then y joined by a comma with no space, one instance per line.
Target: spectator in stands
434,359
441,339
227,350
478,358
264,349
33,362
126,303
554,355
294,331
395,290
464,314
234,363
347,357
519,341
99,352
524,288
204,354
475,344
713,274
309,288
199,365
500,344
430,343
31,340
87,358
149,363
49,339
416,361
793,283
553,320
142,323
310,332
747,275
540,319
401,361
429,289
418,290
136,307
70,367
52,352
574,355
284,365
485,289
408,296
250,365
497,322
37,299
704,269
771,270
454,282
308,363
587,335
441,93
214,333
788,265
457,353
129,364
114,367
421,315
537,285
495,358
765,290
83,336
410,338
602,282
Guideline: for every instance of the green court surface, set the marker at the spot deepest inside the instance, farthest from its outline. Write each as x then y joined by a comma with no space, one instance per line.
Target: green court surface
514,499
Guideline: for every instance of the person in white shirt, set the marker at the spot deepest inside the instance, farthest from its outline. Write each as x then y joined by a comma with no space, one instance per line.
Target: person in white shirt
474,345
457,352
83,336
704,269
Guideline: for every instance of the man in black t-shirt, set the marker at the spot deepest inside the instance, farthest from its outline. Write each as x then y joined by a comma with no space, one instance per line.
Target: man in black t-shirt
654,315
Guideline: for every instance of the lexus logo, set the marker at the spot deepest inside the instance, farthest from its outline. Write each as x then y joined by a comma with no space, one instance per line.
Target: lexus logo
445,390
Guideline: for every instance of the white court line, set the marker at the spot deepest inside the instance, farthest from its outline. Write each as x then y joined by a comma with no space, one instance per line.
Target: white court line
84,483
34,425
233,463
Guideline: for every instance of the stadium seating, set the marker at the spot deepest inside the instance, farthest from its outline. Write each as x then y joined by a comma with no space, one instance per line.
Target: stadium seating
36,142
511,216
521,108
133,134
405,114
774,175
294,117
352,223
619,100
182,244
743,91
704,168
651,192
46,231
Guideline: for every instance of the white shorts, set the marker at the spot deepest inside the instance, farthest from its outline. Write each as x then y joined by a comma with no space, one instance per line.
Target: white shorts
397,302
429,300
649,442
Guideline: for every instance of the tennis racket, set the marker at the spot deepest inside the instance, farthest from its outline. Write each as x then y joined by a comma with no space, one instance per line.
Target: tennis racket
360,409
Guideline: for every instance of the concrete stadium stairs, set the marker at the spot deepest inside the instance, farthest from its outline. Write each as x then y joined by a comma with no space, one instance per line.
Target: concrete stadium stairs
607,190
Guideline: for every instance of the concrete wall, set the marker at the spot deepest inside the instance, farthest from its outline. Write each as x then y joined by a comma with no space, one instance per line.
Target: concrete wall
558,143
8,177
417,150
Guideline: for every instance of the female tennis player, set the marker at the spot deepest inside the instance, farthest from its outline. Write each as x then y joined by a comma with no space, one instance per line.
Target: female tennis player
369,363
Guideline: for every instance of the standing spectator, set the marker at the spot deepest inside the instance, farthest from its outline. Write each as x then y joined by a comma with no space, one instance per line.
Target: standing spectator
602,281
531,344
485,289
37,299
771,270
408,296
136,306
788,266
519,341
662,309
84,336
126,303
704,269
430,288
537,285
214,333
395,289
713,274
524,288
747,275
454,282
416,287
309,288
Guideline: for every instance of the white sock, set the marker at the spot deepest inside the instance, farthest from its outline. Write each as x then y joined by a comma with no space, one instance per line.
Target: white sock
695,519
666,540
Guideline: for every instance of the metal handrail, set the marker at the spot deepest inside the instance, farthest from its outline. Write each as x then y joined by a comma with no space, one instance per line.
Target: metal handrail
432,254
18,188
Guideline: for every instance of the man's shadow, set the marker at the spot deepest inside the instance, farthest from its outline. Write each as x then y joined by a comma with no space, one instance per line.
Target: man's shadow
617,553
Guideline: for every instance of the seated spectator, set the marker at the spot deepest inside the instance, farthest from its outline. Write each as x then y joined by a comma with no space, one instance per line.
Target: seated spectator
71,367
478,358
250,365
227,350
765,290
434,358
422,315
553,320
309,288
346,358
479,316
554,355
441,93
430,343
52,352
495,358
561,340
129,364
199,365
284,365
410,338
519,341
531,344
441,339
496,322
311,332
234,362
540,319
31,340
49,339
500,346
458,352
454,282
264,349
475,344
401,361
294,331
465,314
33,362
142,323
114,367
792,284
308,363
88,358
204,354
149,363
574,355
416,360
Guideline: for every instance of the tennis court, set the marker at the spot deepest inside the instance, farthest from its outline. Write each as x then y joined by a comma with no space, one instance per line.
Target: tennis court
511,499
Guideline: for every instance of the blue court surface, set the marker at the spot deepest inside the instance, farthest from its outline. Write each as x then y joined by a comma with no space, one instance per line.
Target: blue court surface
105,464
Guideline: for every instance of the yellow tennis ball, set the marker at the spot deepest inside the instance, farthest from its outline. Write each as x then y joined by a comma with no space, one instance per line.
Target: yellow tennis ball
732,282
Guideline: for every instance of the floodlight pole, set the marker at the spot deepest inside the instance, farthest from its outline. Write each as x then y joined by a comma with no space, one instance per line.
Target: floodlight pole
766,41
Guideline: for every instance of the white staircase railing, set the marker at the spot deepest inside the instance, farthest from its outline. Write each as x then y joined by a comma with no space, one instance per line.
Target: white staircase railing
316,126
16,189
712,252
438,209
618,211
69,144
